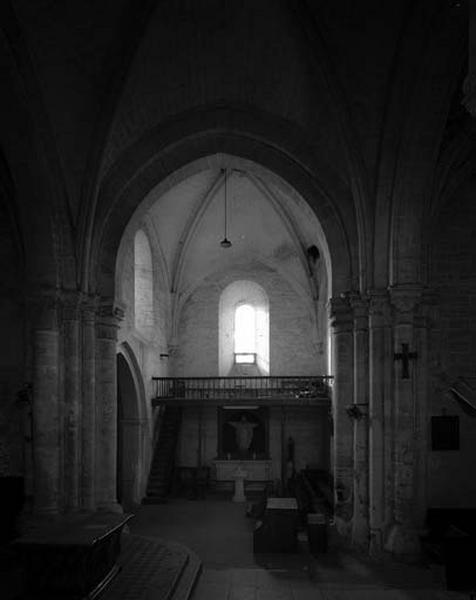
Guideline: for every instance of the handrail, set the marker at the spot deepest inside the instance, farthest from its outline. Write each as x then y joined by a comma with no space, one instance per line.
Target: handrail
242,387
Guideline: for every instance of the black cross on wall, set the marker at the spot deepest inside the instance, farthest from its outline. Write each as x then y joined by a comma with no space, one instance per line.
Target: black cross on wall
405,356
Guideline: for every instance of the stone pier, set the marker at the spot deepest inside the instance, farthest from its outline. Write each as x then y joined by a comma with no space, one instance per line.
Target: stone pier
343,351
88,405
403,539
379,422
360,521
71,400
106,408
45,413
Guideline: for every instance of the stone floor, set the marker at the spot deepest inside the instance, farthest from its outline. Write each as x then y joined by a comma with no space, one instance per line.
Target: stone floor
219,532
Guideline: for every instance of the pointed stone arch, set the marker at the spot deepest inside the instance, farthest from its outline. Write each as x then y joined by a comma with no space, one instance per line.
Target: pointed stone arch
267,141
133,434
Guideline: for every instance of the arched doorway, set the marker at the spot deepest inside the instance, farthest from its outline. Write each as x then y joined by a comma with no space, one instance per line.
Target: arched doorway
129,436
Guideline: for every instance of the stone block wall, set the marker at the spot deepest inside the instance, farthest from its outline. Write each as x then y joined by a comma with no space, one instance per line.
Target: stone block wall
294,347
12,359
453,345
144,347
147,350
309,428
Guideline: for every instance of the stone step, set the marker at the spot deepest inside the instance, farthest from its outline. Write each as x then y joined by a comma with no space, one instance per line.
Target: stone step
189,578
153,568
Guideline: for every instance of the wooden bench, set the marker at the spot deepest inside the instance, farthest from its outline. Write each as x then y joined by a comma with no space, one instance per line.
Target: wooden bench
71,556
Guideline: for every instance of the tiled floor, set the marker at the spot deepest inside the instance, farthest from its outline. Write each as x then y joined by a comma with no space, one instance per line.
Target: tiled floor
219,532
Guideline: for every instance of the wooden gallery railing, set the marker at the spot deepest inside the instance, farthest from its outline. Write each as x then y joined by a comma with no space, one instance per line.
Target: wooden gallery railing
231,389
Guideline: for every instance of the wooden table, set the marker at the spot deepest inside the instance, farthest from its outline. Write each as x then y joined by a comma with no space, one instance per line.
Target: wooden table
71,556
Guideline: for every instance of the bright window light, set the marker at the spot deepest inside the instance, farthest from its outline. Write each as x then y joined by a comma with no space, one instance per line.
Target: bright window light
245,329
245,359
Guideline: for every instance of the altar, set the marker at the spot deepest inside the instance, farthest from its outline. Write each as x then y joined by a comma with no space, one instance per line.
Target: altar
258,473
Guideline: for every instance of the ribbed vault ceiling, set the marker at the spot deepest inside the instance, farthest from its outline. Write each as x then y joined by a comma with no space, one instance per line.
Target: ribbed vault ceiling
269,226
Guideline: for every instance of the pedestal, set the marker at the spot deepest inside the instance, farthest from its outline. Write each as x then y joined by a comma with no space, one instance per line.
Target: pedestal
258,474
240,476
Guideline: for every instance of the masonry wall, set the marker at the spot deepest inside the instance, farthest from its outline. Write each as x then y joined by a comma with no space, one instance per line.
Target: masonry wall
309,428
453,345
294,346
13,414
145,346
294,350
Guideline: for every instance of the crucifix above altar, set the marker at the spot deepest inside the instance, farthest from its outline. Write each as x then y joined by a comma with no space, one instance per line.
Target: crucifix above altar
242,433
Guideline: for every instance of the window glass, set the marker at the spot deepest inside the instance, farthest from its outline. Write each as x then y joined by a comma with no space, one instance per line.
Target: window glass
245,329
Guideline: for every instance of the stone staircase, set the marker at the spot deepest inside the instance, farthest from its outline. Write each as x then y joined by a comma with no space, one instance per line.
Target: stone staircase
162,467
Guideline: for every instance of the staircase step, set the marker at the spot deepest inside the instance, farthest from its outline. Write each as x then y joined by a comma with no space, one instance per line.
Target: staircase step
153,568
188,580
161,468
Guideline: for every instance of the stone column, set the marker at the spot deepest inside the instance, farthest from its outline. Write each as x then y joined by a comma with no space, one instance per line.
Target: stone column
423,323
71,416
360,522
380,485
403,537
45,411
469,87
106,408
342,349
88,403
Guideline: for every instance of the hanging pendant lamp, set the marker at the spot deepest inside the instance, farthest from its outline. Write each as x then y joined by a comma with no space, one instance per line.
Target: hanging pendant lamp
225,243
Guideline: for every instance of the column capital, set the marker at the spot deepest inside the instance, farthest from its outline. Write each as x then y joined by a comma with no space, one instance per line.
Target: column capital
427,308
379,302
89,307
70,304
405,301
108,310
360,308
340,313
43,304
109,315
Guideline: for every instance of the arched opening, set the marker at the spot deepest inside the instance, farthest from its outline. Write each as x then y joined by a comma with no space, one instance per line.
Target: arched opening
243,329
129,437
244,335
283,212
257,308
